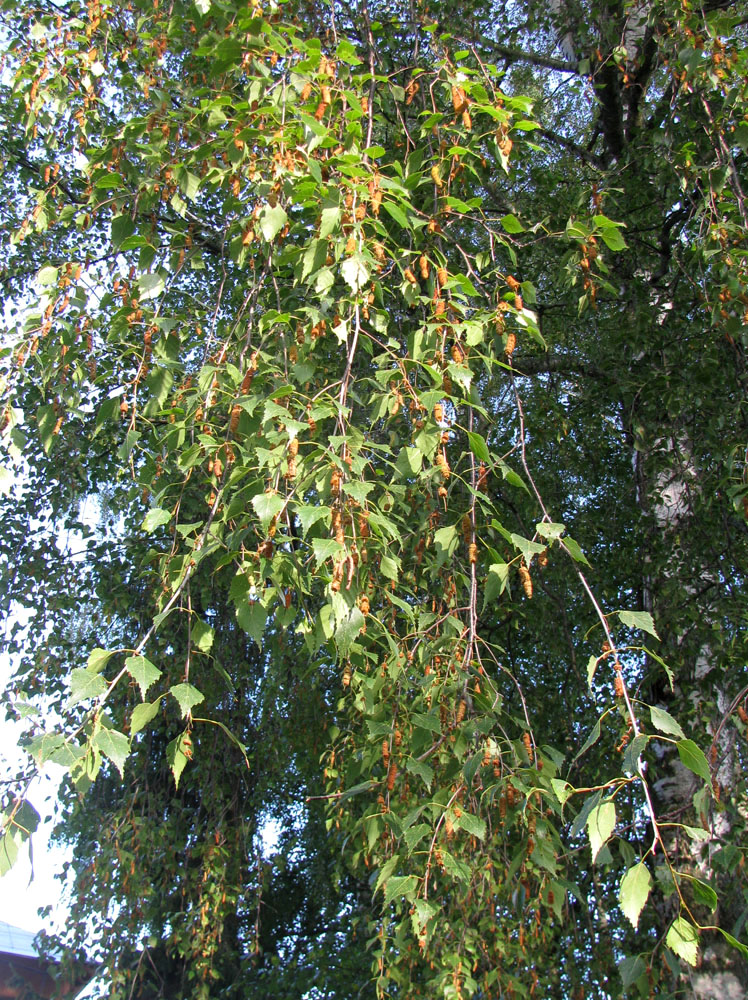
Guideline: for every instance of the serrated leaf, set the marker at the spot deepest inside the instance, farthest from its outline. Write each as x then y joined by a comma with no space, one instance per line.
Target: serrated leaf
347,630
639,619
385,871
663,721
178,753
309,515
202,636
473,825
142,715
591,668
267,506
430,722
323,548
683,939
415,835
47,275
601,823
561,789
150,286
187,697
631,969
115,746
272,221
575,551
734,942
252,617
478,446
97,659
511,224
400,886
143,672
8,852
613,239
634,892
85,685
593,737
424,771
692,757
703,893
155,518
355,273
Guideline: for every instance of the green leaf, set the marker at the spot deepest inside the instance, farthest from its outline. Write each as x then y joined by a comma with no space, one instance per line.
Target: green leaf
663,721
693,758
591,668
703,893
267,506
115,746
478,446
638,619
309,515
187,697
347,630
574,550
47,275
409,462
473,825
600,825
178,752
593,737
613,239
683,939
634,892
550,530
415,835
143,672
155,518
743,949
430,722
8,851
631,969
396,213
355,272
143,714
272,221
151,286
202,636
511,224
84,686
445,542
561,789
252,617
400,887
97,660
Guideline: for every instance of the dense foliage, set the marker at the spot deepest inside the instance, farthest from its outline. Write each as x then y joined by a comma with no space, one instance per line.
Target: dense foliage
375,491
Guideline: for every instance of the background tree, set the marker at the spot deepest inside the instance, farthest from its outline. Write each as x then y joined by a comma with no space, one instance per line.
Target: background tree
404,360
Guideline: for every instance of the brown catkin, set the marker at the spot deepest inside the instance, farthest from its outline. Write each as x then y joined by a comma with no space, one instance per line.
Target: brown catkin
236,412
511,343
528,746
618,685
442,276
423,264
438,412
526,579
409,276
347,675
473,553
461,709
391,775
